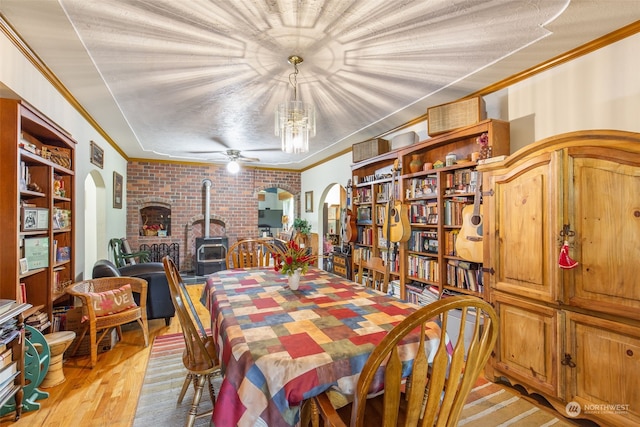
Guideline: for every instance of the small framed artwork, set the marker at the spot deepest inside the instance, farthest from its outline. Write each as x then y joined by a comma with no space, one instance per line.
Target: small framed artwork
97,155
24,266
117,190
308,201
35,219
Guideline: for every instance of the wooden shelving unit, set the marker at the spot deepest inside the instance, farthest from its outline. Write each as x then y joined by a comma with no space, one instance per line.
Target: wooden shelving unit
40,216
435,198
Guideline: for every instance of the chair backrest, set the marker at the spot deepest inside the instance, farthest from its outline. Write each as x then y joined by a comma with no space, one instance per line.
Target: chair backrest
376,275
123,255
200,354
249,253
444,383
84,288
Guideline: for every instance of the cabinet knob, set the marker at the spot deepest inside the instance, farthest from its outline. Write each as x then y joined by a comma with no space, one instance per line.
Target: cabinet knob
630,353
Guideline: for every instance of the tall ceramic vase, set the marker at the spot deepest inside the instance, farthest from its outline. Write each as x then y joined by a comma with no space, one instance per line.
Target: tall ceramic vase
294,279
416,163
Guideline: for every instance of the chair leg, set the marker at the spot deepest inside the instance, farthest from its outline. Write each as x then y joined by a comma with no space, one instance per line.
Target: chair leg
93,344
185,386
200,379
212,391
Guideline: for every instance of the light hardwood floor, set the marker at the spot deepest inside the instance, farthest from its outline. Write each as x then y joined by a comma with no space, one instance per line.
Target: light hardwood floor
106,395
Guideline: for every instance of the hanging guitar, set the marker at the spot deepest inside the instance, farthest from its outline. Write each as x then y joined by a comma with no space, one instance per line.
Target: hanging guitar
348,220
469,241
396,223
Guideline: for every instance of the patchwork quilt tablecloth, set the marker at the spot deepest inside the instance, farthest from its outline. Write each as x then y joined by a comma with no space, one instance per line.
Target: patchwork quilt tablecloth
279,347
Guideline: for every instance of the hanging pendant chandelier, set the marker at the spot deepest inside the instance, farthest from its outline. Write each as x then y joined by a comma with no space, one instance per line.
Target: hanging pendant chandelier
295,120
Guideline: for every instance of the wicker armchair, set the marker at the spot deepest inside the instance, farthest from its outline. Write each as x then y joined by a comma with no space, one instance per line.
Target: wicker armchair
104,324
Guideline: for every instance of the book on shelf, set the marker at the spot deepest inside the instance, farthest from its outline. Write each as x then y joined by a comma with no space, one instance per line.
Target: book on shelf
6,304
6,357
9,336
7,372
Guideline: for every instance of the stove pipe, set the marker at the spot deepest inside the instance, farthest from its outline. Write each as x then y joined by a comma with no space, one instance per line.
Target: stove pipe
207,203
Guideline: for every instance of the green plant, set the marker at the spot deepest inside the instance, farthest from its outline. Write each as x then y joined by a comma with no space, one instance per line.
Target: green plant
302,226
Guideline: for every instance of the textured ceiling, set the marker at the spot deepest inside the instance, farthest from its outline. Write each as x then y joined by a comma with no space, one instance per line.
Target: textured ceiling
165,78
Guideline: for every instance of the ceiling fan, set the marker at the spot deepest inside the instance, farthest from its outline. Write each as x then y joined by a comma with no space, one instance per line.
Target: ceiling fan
235,158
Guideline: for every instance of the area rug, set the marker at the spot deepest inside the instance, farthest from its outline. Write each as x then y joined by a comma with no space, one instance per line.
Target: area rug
488,405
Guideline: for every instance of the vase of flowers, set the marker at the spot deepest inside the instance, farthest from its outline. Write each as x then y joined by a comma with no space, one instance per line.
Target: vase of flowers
293,261
485,148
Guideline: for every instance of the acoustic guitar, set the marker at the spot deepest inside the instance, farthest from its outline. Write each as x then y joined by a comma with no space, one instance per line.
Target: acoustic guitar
469,241
348,221
396,224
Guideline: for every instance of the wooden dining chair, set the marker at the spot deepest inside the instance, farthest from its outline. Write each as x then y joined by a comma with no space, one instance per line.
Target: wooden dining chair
434,393
373,273
249,253
199,356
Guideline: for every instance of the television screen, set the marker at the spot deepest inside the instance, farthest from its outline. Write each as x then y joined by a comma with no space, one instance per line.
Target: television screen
270,218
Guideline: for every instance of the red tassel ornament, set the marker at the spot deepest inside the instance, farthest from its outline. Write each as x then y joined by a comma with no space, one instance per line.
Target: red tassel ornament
565,261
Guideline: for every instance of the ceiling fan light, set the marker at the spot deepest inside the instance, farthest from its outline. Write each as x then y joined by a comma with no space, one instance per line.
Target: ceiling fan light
233,167
295,121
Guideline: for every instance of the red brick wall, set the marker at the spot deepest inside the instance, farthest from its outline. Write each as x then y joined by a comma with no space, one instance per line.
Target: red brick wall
234,201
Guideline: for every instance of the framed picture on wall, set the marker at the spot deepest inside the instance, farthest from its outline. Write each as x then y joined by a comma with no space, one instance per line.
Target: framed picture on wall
117,190
97,155
308,201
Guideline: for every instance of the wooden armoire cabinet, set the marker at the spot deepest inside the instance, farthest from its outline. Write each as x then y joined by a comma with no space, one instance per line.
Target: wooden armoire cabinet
570,334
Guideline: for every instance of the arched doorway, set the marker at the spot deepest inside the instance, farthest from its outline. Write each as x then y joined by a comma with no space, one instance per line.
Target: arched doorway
95,219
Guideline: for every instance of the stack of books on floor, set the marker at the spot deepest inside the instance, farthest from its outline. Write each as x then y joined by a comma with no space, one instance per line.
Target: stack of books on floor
38,320
421,294
8,367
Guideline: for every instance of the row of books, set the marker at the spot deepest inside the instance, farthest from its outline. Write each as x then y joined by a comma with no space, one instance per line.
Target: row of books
465,275
423,213
453,210
8,367
423,268
365,235
461,181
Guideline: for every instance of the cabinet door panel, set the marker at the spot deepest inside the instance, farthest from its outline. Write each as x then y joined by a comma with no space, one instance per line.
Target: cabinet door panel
607,359
606,219
524,210
527,346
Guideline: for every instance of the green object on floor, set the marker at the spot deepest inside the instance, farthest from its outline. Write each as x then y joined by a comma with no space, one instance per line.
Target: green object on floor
37,357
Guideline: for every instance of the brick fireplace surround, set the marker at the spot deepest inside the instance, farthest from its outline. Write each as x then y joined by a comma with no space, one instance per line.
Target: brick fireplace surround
234,201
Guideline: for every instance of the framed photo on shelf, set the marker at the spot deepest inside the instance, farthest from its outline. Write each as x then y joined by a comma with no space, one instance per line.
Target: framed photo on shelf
97,155
24,266
308,201
35,219
117,190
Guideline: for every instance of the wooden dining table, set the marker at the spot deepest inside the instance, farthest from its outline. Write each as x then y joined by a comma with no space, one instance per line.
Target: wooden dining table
278,347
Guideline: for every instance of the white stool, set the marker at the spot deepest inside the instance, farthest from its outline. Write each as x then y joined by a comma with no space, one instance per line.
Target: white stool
58,343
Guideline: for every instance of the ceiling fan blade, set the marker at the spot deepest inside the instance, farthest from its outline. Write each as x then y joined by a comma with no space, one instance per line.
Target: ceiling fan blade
248,159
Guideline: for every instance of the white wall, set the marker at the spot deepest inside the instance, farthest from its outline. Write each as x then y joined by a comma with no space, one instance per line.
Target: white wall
24,81
600,90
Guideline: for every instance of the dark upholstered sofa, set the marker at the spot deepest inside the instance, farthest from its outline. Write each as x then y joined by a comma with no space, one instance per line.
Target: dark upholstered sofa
159,304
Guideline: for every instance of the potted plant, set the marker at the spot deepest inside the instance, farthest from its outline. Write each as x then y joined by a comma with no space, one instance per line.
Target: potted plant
302,226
